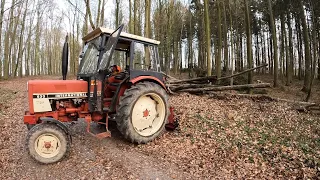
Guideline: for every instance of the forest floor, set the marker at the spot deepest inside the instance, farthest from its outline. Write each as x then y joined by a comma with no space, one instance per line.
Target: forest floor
229,137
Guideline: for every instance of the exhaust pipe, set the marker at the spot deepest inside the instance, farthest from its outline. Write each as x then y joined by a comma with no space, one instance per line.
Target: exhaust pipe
65,54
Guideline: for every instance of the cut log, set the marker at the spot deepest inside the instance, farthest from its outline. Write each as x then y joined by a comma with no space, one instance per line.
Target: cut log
243,72
301,106
176,87
209,78
260,97
170,77
224,88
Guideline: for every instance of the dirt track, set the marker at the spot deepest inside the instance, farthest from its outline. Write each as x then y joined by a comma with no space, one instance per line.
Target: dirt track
89,158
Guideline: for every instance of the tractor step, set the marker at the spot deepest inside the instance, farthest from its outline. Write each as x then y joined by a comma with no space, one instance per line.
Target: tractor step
103,135
99,135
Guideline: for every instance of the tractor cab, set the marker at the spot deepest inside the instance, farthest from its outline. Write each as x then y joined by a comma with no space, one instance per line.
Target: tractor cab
111,61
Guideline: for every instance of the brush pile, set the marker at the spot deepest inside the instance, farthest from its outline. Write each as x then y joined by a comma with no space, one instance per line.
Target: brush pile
203,85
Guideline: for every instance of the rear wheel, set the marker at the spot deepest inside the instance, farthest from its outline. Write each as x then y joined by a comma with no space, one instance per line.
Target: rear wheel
143,112
47,143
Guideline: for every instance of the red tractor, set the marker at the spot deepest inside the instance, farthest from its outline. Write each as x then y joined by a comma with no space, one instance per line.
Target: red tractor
135,97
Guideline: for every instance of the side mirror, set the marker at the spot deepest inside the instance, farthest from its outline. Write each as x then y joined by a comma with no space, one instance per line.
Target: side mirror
65,55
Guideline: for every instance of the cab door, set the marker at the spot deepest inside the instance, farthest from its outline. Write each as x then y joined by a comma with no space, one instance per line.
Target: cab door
108,46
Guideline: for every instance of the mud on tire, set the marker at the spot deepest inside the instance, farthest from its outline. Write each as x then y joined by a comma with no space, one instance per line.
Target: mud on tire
136,96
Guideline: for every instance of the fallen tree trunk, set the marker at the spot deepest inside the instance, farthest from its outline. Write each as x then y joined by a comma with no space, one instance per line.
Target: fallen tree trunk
209,78
224,88
214,78
300,106
170,77
243,72
259,97
176,87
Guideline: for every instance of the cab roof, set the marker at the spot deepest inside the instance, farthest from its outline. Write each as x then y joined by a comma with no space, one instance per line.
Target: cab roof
101,30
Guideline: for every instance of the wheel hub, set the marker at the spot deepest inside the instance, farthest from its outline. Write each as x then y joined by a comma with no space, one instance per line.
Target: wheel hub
47,145
148,114
145,113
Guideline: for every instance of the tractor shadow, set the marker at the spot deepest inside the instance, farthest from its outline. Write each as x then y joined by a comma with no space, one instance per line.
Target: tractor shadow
80,127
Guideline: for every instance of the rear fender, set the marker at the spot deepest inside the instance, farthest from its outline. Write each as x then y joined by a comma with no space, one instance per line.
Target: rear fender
148,78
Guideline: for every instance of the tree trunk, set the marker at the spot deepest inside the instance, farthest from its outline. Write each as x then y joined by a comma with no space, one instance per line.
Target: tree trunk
299,41
130,16
189,37
208,37
264,51
102,13
88,10
232,44
257,51
1,23
291,56
225,41
282,51
27,65
136,4
37,48
7,44
218,59
239,49
85,24
175,56
275,44
147,31
249,42
20,52
318,56
98,13
241,53
315,49
307,77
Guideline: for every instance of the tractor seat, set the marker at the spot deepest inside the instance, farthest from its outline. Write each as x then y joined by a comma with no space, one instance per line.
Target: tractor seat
120,76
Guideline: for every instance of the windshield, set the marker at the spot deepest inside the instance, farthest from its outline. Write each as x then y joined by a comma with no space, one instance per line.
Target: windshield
91,52
90,57
109,48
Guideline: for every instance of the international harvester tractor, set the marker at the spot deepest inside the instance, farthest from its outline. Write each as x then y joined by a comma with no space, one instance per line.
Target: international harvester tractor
127,87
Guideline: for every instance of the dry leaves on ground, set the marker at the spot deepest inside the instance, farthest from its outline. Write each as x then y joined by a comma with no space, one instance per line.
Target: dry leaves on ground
240,138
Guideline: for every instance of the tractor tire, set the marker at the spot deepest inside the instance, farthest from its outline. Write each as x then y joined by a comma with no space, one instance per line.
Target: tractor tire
30,126
47,143
142,112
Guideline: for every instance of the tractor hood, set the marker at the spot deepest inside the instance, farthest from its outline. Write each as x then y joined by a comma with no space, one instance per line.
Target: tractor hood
57,86
40,92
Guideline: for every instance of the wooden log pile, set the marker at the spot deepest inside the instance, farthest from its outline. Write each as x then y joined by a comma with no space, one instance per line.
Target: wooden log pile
203,85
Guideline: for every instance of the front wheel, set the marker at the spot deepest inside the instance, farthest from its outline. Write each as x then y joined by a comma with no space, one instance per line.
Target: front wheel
143,112
47,143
